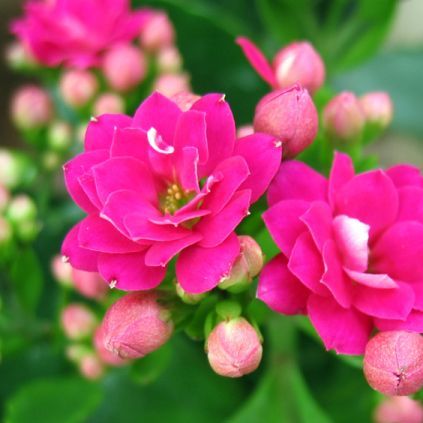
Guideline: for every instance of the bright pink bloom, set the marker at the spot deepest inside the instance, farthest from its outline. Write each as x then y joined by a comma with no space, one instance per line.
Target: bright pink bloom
399,410
76,33
164,183
352,248
298,62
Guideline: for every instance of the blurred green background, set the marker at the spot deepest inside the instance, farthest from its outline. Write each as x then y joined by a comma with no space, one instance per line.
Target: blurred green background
367,45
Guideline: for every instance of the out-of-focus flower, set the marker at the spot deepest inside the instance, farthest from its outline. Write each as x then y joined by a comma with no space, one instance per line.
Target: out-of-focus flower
169,60
298,62
234,348
91,366
393,362
172,84
399,410
377,108
78,87
109,103
62,271
165,183
157,32
15,169
22,214
351,250
185,100
78,321
89,284
59,136
18,56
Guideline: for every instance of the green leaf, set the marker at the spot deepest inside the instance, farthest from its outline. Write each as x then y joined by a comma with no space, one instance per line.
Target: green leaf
64,400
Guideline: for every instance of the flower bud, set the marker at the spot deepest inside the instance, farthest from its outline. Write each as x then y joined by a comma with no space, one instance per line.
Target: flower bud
169,60
299,63
399,410
15,169
252,253
105,355
51,160
343,118
393,362
78,87
4,198
61,270
124,67
171,84
185,100
91,367
89,284
289,115
18,56
234,348
157,33
108,103
188,298
78,321
21,209
75,352
31,107
59,136
377,108
244,131
136,325
6,232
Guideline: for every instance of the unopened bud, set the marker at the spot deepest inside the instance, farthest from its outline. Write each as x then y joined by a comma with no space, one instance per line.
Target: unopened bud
172,84
51,160
252,253
18,56
105,355
91,367
108,103
21,209
290,116
169,60
124,67
399,410
59,136
234,348
157,33
78,87
61,270
31,107
393,362
188,298
299,63
89,284
15,169
136,325
185,100
377,108
244,131
78,321
343,118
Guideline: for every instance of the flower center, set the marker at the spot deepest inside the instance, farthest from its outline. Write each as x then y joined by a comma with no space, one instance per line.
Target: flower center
174,198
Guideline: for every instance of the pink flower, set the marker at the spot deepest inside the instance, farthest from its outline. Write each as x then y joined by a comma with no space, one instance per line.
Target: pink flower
76,33
165,183
352,248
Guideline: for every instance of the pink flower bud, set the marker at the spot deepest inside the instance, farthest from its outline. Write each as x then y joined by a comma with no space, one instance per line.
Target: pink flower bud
4,198
31,107
399,410
78,87
136,325
172,84
252,253
109,103
78,321
393,362
290,116
62,270
234,348
169,60
18,56
299,63
89,284
244,131
188,298
124,67
105,355
377,108
158,32
238,278
343,118
91,367
59,136
185,100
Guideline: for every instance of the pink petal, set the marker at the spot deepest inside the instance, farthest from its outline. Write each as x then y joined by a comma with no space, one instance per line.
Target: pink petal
413,323
371,280
352,239
344,330
399,252
76,168
263,155
404,175
370,197
87,183
257,60
342,171
410,203
176,220
78,257
418,292
130,142
215,229
305,262
296,180
280,290
187,169
160,253
284,224
201,269
128,272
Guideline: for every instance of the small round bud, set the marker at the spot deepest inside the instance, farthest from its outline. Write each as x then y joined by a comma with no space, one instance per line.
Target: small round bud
6,231
188,298
51,160
59,136
238,279
343,118
31,107
377,108
108,103
4,198
393,362
15,169
157,33
289,115
124,67
136,325
399,410
21,209
299,63
78,87
89,284
172,83
185,100
252,253
18,56
91,367
244,131
169,60
78,321
105,355
61,270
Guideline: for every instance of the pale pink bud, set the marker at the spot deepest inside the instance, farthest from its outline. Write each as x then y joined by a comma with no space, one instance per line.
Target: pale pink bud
78,321
136,325
19,56
393,362
108,103
252,253
169,60
89,284
124,67
31,107
377,108
343,117
299,63
91,367
105,355
399,410
244,131
185,100
158,32
234,348
172,84
188,298
4,198
78,87
289,115
59,136
62,270
6,231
